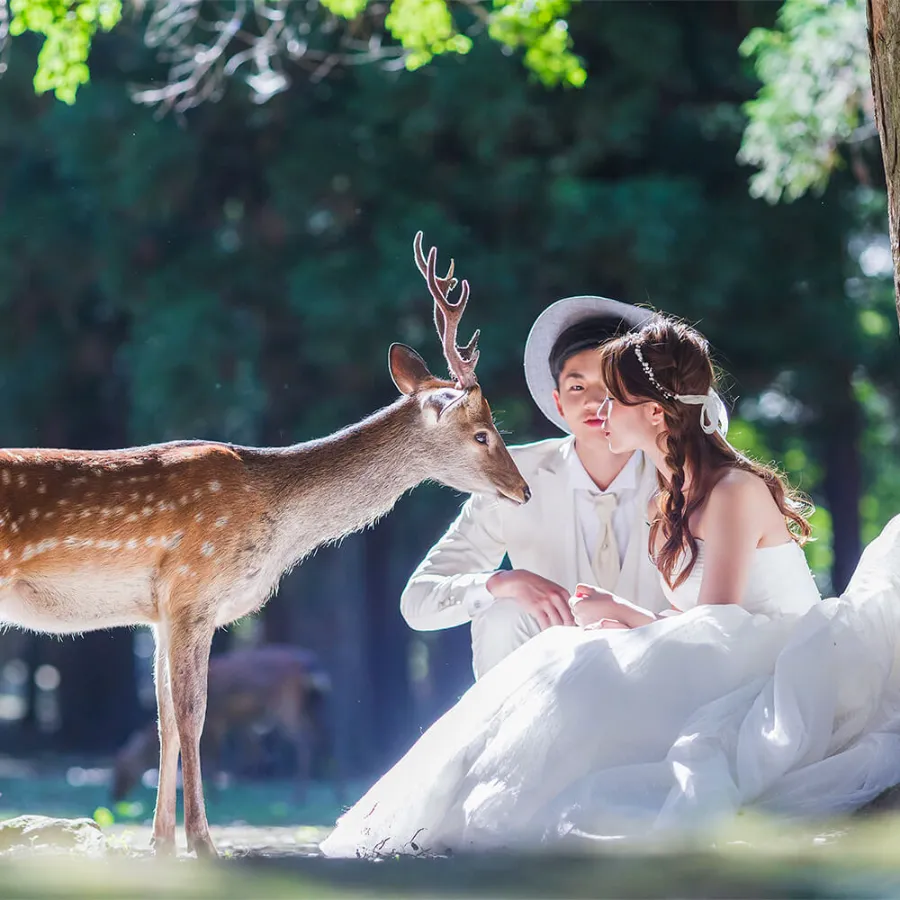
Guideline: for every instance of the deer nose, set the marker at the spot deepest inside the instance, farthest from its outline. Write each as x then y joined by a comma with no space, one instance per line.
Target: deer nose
526,494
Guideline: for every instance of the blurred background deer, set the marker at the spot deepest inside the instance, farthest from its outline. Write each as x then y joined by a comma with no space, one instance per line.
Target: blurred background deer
252,693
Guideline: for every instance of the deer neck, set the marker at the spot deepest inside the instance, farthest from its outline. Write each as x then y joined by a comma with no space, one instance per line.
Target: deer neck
346,481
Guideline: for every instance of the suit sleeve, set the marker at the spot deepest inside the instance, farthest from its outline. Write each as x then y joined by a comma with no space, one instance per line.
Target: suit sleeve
449,586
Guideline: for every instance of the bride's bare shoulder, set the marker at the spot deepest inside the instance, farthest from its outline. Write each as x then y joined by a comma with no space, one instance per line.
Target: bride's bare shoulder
738,489
738,499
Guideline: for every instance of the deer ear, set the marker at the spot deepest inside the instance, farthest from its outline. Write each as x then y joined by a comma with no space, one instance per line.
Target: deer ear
408,369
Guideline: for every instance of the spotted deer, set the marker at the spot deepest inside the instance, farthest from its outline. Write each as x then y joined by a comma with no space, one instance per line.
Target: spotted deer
190,535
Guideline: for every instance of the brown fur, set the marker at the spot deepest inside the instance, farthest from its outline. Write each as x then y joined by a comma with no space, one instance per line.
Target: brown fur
191,535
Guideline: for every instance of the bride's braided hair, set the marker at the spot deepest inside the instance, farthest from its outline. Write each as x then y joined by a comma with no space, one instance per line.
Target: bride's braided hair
663,359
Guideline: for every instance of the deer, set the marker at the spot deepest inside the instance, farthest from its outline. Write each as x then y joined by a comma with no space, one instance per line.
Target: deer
270,685
188,536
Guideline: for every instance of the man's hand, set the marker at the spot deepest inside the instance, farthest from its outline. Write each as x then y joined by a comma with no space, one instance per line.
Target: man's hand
544,600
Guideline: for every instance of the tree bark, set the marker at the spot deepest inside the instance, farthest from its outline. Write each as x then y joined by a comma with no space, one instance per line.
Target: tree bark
842,485
883,18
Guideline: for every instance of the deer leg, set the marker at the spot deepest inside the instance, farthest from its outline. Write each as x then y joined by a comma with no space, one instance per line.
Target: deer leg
166,794
191,640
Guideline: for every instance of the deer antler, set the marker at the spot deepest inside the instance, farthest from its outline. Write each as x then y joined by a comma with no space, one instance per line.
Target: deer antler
461,360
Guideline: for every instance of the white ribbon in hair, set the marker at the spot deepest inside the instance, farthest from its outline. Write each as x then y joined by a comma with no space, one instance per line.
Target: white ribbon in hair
713,414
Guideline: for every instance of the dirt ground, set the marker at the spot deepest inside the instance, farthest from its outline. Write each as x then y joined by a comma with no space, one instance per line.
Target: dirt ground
262,862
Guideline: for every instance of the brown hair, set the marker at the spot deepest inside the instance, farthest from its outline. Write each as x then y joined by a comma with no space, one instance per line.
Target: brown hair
679,358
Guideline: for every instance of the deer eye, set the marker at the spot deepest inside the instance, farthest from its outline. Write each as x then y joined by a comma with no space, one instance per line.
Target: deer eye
481,437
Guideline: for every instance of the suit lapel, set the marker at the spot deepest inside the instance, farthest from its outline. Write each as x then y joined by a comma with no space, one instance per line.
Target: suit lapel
563,551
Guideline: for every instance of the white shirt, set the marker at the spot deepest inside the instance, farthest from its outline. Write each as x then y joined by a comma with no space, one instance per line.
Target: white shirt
624,486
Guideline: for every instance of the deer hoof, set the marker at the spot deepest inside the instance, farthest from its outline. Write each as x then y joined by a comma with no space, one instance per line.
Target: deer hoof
163,846
203,846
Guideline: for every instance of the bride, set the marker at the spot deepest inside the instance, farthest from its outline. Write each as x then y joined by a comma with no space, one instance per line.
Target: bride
750,690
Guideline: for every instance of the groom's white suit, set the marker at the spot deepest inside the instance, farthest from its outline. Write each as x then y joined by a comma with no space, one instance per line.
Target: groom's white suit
550,536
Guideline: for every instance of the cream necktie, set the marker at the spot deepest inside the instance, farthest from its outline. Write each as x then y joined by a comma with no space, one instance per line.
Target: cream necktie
605,561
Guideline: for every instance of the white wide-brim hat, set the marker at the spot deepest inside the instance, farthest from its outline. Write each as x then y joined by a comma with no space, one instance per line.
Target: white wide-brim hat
550,324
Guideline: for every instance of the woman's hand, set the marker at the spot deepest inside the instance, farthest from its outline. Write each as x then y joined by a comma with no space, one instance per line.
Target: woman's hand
605,624
591,605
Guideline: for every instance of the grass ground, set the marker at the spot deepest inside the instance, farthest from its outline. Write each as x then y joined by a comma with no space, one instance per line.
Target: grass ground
268,845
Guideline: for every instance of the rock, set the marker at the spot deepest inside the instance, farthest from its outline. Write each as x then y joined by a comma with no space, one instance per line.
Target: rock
44,831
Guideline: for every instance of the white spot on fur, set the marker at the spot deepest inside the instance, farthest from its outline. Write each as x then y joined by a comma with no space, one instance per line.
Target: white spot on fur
42,488
20,480
207,549
7,554
33,514
198,517
149,498
131,545
150,541
5,476
147,510
215,486
183,499
221,522
49,515
131,517
15,527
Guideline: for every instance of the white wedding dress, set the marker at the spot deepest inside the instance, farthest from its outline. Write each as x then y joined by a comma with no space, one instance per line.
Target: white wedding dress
786,702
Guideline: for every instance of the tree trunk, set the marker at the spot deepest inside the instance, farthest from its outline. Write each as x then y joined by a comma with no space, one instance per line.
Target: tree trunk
388,646
843,487
884,53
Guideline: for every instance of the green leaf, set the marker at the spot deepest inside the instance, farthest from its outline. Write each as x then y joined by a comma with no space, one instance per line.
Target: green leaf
540,28
346,9
68,27
814,71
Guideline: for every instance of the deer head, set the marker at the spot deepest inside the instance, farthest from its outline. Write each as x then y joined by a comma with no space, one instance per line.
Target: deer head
462,442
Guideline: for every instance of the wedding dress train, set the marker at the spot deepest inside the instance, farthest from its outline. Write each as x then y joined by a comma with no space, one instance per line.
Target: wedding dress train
786,702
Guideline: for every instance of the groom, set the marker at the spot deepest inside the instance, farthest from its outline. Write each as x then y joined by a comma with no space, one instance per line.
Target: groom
586,521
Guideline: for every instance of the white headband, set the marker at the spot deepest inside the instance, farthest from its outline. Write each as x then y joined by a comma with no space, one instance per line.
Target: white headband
713,415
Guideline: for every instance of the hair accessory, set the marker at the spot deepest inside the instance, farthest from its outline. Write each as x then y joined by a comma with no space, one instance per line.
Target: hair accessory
713,414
